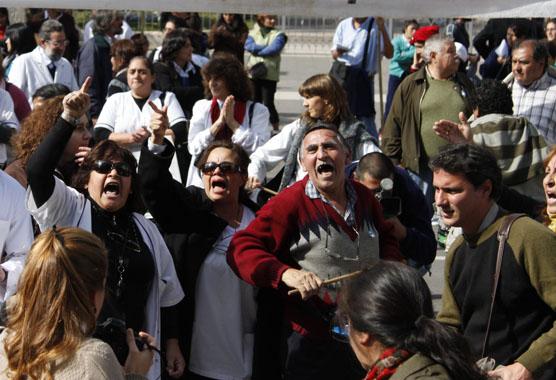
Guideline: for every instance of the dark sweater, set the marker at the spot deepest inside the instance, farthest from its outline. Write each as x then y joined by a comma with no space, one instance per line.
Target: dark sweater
522,328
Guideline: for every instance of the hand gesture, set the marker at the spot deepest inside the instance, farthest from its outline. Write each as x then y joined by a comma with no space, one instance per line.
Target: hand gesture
140,135
514,371
77,103
175,363
82,152
138,362
454,133
228,112
252,183
159,123
307,283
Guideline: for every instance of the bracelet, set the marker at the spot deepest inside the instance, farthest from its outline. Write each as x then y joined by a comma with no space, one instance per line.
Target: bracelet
70,119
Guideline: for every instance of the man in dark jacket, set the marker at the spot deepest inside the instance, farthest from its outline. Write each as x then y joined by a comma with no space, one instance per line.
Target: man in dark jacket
93,59
437,91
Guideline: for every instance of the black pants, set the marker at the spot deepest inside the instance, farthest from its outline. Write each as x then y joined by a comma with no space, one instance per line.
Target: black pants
264,93
309,359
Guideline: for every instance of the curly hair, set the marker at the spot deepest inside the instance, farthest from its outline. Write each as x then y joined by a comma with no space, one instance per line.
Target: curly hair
173,43
63,269
35,127
331,91
227,67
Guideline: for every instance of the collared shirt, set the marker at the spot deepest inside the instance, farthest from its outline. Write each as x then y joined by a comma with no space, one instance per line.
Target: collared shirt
353,40
184,72
537,102
349,214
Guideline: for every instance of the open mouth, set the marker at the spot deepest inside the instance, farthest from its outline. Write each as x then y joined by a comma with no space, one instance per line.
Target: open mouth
550,195
325,168
219,184
112,188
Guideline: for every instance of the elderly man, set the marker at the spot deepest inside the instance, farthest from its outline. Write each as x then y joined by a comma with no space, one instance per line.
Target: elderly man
321,227
436,91
45,64
522,331
93,59
533,87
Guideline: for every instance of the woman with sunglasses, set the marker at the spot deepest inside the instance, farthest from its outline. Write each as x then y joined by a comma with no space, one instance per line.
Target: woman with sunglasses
228,115
142,286
386,315
221,310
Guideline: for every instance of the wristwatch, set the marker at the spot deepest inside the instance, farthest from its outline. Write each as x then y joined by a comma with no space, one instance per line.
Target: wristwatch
70,119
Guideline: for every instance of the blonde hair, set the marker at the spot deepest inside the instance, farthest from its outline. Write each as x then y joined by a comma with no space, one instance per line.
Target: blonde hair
53,310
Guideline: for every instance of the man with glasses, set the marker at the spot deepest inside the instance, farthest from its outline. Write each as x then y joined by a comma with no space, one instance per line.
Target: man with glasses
45,64
321,227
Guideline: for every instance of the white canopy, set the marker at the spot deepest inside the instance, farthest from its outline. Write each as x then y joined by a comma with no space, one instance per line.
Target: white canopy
324,8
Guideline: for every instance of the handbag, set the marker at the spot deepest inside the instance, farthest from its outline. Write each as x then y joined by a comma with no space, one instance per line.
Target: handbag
339,71
258,71
486,363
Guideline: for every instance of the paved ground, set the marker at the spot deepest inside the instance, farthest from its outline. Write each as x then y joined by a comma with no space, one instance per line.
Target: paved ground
295,69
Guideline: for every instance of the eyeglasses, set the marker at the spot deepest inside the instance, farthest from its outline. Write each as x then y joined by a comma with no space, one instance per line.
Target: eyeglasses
105,167
58,43
225,168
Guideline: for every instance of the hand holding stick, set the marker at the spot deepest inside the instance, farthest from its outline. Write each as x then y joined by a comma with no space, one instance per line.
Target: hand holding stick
333,280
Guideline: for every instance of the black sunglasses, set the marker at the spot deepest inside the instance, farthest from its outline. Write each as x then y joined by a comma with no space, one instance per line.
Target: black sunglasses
225,167
105,167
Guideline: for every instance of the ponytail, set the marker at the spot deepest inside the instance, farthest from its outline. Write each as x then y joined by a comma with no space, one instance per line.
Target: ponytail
443,345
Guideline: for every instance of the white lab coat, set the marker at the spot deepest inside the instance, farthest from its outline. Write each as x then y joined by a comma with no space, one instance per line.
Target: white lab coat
67,207
29,72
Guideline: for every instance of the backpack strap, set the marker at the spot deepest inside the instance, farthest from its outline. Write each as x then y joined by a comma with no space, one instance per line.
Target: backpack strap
503,233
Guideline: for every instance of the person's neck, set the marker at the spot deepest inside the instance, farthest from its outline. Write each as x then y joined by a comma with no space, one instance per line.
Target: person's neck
337,197
231,212
181,63
473,227
436,73
140,95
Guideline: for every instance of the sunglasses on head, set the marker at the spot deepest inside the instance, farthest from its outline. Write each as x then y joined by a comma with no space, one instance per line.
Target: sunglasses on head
105,167
225,168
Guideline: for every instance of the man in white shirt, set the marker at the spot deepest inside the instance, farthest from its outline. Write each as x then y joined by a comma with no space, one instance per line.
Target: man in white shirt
351,47
45,64
8,124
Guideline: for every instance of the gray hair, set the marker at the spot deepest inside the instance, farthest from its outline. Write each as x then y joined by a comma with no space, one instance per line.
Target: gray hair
103,21
435,44
48,27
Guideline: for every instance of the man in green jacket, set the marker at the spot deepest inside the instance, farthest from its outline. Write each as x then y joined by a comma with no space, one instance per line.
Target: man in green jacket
522,332
437,91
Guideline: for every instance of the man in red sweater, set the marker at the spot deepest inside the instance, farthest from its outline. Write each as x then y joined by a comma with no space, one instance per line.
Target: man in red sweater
321,227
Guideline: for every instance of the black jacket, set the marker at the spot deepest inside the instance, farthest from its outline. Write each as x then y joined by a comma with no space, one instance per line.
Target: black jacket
190,230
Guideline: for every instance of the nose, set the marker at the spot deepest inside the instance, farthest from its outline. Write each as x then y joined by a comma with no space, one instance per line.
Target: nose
87,135
439,198
321,152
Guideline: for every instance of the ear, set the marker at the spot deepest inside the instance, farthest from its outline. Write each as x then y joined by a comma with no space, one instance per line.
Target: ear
486,188
361,338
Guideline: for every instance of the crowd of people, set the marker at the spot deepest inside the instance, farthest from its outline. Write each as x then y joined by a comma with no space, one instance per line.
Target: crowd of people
143,236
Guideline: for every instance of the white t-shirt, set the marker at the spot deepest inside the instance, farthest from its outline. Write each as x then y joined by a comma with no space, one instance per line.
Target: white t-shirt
16,232
225,315
121,114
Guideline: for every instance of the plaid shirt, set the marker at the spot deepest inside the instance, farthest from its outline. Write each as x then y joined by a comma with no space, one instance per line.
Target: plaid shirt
349,215
538,104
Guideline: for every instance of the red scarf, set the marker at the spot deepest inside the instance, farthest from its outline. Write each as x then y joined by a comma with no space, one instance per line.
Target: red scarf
387,364
226,133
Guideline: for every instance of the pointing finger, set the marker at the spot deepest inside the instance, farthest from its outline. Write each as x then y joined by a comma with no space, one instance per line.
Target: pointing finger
85,86
156,109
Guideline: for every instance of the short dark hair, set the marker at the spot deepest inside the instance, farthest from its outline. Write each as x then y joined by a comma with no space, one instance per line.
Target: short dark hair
109,150
476,163
172,44
492,96
147,62
51,90
227,67
407,23
124,49
540,54
243,159
376,165
328,126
